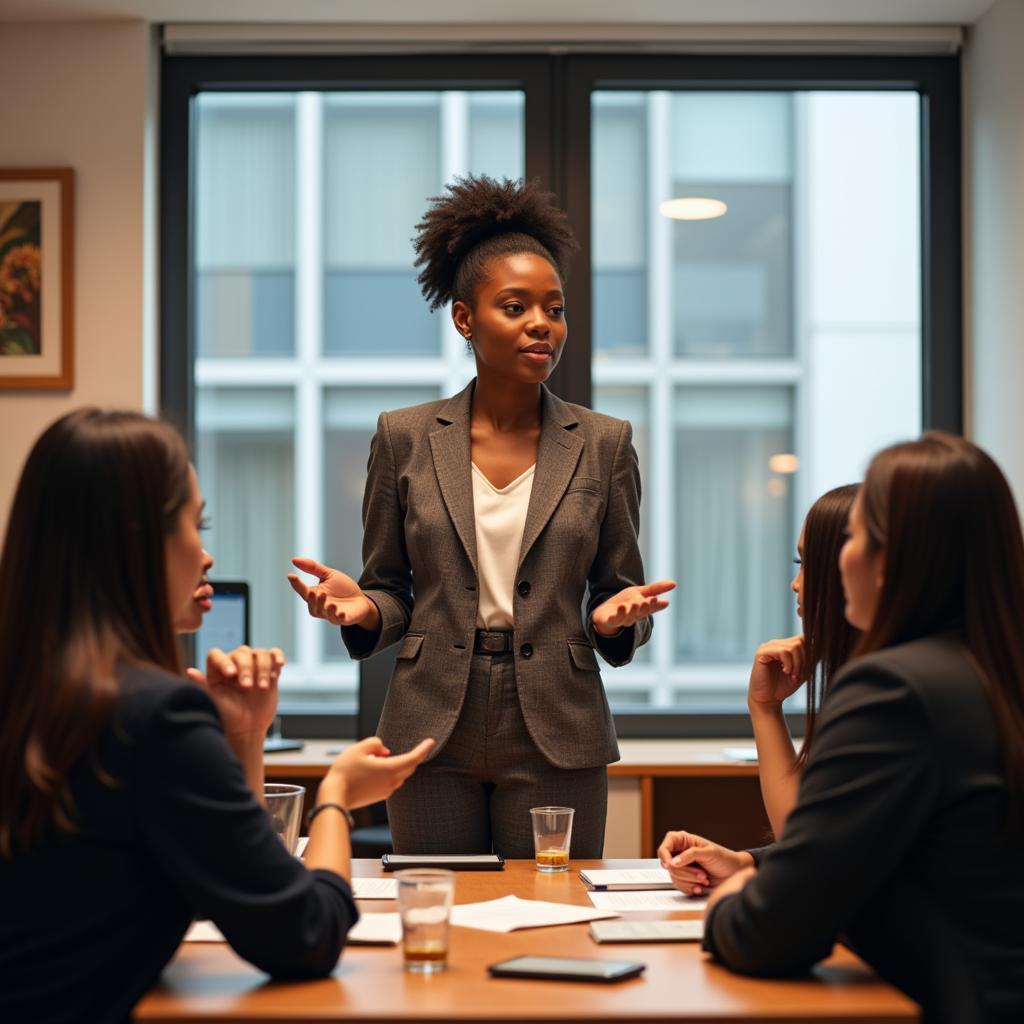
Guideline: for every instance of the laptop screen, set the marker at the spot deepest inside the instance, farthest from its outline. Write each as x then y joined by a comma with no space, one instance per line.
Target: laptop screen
226,624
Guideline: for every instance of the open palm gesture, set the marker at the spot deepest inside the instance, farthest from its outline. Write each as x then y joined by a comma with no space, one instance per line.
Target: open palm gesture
336,597
628,606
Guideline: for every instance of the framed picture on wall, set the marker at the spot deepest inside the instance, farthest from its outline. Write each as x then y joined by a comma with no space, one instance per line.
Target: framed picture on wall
36,278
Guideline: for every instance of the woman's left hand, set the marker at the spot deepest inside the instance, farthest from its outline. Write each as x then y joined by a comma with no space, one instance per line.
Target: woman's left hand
243,685
628,606
734,883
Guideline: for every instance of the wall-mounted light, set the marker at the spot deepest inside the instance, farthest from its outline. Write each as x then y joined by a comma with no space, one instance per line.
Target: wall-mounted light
784,462
692,208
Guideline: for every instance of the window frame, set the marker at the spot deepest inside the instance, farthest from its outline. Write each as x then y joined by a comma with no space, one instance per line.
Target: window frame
557,123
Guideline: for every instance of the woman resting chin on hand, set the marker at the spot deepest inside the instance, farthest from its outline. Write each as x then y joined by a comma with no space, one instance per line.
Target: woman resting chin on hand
242,683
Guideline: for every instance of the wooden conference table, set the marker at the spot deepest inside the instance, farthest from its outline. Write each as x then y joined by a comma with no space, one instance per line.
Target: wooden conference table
207,982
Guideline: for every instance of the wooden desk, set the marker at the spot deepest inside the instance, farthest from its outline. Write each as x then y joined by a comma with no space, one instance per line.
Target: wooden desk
672,783
208,982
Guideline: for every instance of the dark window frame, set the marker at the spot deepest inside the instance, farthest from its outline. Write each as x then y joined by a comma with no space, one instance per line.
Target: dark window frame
557,152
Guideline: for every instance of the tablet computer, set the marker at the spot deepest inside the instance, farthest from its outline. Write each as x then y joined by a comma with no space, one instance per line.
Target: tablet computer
560,968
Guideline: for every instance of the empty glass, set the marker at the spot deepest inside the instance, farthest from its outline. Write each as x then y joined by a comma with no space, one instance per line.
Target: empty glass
552,834
425,901
284,805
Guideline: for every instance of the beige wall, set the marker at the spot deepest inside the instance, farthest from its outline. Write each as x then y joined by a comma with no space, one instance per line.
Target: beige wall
994,215
76,96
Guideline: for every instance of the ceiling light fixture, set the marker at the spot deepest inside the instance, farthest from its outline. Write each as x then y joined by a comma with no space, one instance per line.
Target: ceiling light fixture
692,208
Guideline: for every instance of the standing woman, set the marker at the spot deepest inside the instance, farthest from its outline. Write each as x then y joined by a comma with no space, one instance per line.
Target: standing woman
488,518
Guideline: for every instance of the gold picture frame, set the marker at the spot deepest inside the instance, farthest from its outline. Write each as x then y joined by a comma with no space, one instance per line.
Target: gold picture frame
36,278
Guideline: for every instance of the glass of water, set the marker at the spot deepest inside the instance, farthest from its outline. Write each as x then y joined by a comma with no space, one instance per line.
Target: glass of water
284,805
425,898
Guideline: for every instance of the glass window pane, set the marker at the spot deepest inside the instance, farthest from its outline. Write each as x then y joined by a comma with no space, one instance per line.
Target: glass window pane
318,194
495,133
350,418
382,159
620,202
246,468
733,519
631,403
763,328
731,275
245,225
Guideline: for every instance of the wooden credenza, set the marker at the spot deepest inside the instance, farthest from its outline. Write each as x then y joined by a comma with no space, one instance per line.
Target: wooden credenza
658,785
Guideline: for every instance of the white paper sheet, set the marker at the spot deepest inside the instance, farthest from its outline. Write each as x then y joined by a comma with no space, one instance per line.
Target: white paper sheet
375,888
300,848
632,878
510,913
370,929
647,931
376,930
659,899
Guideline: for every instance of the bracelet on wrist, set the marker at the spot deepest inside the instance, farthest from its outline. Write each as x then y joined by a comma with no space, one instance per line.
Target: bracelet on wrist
331,807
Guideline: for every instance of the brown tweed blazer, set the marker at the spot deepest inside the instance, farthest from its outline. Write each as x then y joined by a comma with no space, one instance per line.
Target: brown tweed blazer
419,567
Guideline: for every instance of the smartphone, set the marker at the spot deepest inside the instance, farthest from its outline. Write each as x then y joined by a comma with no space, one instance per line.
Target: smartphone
451,861
559,968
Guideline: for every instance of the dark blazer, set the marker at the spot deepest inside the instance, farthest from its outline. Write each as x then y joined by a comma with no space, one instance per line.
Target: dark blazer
420,568
90,918
898,842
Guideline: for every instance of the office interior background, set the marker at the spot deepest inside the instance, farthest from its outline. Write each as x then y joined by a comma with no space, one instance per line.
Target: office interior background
761,355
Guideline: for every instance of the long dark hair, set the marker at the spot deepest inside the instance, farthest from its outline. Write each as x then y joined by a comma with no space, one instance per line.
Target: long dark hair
828,637
82,586
943,514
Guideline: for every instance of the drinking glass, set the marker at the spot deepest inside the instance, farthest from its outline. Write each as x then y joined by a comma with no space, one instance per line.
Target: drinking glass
552,833
284,805
425,901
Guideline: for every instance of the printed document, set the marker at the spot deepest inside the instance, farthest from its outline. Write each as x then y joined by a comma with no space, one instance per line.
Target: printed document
510,913
623,902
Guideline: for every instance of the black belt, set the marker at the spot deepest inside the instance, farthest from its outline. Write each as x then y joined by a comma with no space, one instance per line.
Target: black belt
493,641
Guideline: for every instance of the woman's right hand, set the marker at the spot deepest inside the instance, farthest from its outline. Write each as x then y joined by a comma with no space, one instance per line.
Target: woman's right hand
779,670
365,773
697,865
336,597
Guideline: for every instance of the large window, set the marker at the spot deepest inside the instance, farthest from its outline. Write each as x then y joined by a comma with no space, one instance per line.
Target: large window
756,297
308,322
767,289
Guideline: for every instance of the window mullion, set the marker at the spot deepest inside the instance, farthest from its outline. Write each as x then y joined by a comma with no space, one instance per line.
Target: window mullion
661,480
308,345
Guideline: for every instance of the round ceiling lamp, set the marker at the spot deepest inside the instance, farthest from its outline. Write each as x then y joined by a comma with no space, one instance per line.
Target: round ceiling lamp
692,208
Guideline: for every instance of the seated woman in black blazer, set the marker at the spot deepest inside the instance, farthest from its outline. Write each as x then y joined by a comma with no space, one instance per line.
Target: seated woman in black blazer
124,810
908,835
780,668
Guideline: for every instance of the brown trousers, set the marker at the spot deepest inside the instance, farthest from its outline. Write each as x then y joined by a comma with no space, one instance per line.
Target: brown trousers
475,795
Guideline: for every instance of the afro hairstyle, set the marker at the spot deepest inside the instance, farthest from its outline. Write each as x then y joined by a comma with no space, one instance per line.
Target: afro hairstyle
479,218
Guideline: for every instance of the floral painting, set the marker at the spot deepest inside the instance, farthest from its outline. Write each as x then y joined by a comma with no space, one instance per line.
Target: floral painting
20,279
37,278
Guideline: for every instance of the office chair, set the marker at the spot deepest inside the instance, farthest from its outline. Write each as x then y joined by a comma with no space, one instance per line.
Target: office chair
372,836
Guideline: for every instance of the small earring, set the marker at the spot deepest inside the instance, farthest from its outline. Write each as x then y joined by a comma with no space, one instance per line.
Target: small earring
469,342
